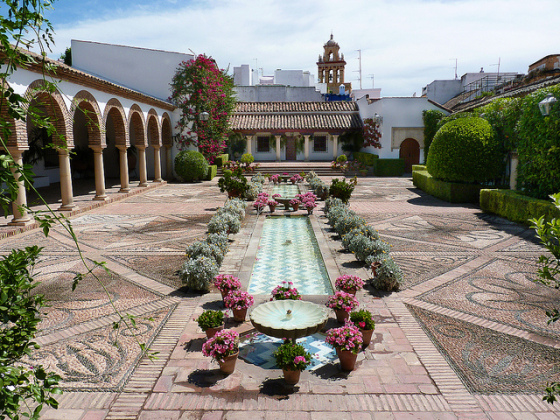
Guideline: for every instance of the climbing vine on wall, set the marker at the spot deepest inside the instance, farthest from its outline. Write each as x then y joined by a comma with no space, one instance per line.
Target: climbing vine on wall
200,86
371,134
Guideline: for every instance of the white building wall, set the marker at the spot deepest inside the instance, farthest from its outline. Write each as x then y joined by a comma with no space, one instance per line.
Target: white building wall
405,112
147,71
276,93
242,75
441,91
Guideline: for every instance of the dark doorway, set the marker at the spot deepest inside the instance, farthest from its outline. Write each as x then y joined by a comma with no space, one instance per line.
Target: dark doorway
410,152
291,148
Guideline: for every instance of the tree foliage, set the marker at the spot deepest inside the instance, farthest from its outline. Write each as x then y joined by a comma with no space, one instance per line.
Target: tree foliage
200,86
431,119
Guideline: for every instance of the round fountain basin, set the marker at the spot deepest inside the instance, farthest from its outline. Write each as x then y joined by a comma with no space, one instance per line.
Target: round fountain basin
289,318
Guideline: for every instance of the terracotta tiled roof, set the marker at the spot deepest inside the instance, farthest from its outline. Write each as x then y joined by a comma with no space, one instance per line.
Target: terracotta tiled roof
295,116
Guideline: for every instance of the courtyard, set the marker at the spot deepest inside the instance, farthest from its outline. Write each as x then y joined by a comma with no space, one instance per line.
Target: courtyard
466,337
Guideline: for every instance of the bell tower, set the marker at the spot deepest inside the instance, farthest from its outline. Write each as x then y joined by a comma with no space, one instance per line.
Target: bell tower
331,67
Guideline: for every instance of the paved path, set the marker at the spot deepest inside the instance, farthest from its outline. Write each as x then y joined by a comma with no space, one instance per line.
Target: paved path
466,337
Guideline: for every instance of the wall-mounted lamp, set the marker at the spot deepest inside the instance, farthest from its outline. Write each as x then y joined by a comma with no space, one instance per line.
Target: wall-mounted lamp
204,116
378,119
176,137
546,104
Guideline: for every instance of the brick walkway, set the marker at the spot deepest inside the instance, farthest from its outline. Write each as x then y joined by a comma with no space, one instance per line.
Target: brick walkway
466,337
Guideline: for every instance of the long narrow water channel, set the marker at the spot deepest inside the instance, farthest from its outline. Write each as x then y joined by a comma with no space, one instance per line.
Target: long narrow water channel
288,251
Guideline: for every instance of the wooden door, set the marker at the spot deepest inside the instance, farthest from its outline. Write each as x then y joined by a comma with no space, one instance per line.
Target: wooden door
291,148
410,152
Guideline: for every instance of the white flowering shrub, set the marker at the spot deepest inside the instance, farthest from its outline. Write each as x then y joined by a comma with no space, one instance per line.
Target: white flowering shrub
253,189
198,273
203,248
388,275
365,230
226,222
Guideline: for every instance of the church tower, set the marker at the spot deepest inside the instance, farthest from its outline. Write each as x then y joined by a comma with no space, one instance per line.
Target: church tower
331,67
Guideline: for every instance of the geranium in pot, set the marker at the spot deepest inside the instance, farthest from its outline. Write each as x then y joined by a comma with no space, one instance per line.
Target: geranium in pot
224,348
342,303
349,284
225,283
347,341
363,319
211,322
285,291
234,183
292,359
238,301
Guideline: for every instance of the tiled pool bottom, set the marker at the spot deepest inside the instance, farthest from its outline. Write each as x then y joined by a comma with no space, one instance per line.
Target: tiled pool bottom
259,350
288,251
286,190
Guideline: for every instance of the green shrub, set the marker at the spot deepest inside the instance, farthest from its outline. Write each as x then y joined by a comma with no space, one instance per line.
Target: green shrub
466,150
332,202
362,247
221,159
191,166
203,248
367,159
388,275
367,231
452,192
212,172
348,222
389,167
516,207
247,159
431,118
197,273
335,213
341,159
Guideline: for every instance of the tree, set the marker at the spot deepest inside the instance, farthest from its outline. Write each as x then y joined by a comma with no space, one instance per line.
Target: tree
200,86
66,56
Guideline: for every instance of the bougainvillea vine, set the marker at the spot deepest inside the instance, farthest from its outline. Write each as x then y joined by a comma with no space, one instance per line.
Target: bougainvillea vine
200,86
371,133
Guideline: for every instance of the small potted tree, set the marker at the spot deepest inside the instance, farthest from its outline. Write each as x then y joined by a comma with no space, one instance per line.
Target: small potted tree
211,322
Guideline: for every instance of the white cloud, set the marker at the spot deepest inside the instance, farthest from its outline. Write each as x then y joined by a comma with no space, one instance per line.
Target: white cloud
405,43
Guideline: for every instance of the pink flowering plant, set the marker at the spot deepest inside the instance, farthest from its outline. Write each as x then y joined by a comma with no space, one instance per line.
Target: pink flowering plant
292,356
295,202
225,283
274,178
223,344
285,291
347,282
200,86
342,301
238,299
272,203
348,337
275,196
363,319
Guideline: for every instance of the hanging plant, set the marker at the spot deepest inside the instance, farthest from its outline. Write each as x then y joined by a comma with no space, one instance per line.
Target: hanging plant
200,86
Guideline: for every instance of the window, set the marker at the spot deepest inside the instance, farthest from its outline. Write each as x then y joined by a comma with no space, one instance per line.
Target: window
263,144
320,144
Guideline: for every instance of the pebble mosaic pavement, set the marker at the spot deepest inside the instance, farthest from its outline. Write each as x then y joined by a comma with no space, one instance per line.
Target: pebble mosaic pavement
466,336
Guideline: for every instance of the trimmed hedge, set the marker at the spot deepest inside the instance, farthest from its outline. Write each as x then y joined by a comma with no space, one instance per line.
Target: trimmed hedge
221,159
452,192
389,167
516,207
212,172
191,166
367,159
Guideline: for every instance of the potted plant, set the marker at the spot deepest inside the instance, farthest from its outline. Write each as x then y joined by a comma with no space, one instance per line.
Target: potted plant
272,205
238,301
224,348
363,319
342,303
225,283
347,341
349,284
285,291
211,322
309,206
295,203
234,183
275,179
292,359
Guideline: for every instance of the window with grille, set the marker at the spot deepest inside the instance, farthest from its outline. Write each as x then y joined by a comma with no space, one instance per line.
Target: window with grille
320,143
263,144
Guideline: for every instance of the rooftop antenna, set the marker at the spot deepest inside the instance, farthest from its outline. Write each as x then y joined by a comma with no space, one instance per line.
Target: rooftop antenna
455,68
498,75
360,68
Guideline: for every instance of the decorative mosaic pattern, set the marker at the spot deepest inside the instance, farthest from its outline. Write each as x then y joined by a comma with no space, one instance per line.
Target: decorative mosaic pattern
489,361
102,359
286,190
259,350
502,291
161,268
288,251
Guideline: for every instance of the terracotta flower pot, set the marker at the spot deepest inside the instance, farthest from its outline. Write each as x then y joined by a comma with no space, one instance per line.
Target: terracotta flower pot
239,314
341,315
351,291
272,208
366,336
227,366
309,211
347,359
291,376
295,207
211,332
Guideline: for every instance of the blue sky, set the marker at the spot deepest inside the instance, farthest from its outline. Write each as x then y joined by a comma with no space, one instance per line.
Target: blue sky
405,44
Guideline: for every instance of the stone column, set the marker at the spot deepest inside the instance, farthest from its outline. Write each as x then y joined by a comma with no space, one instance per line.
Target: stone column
342,76
157,164
142,166
19,207
168,163
278,154
99,174
123,166
514,160
306,147
249,144
66,192
335,145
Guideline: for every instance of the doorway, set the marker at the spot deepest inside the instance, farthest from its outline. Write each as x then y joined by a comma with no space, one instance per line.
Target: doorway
291,148
410,152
